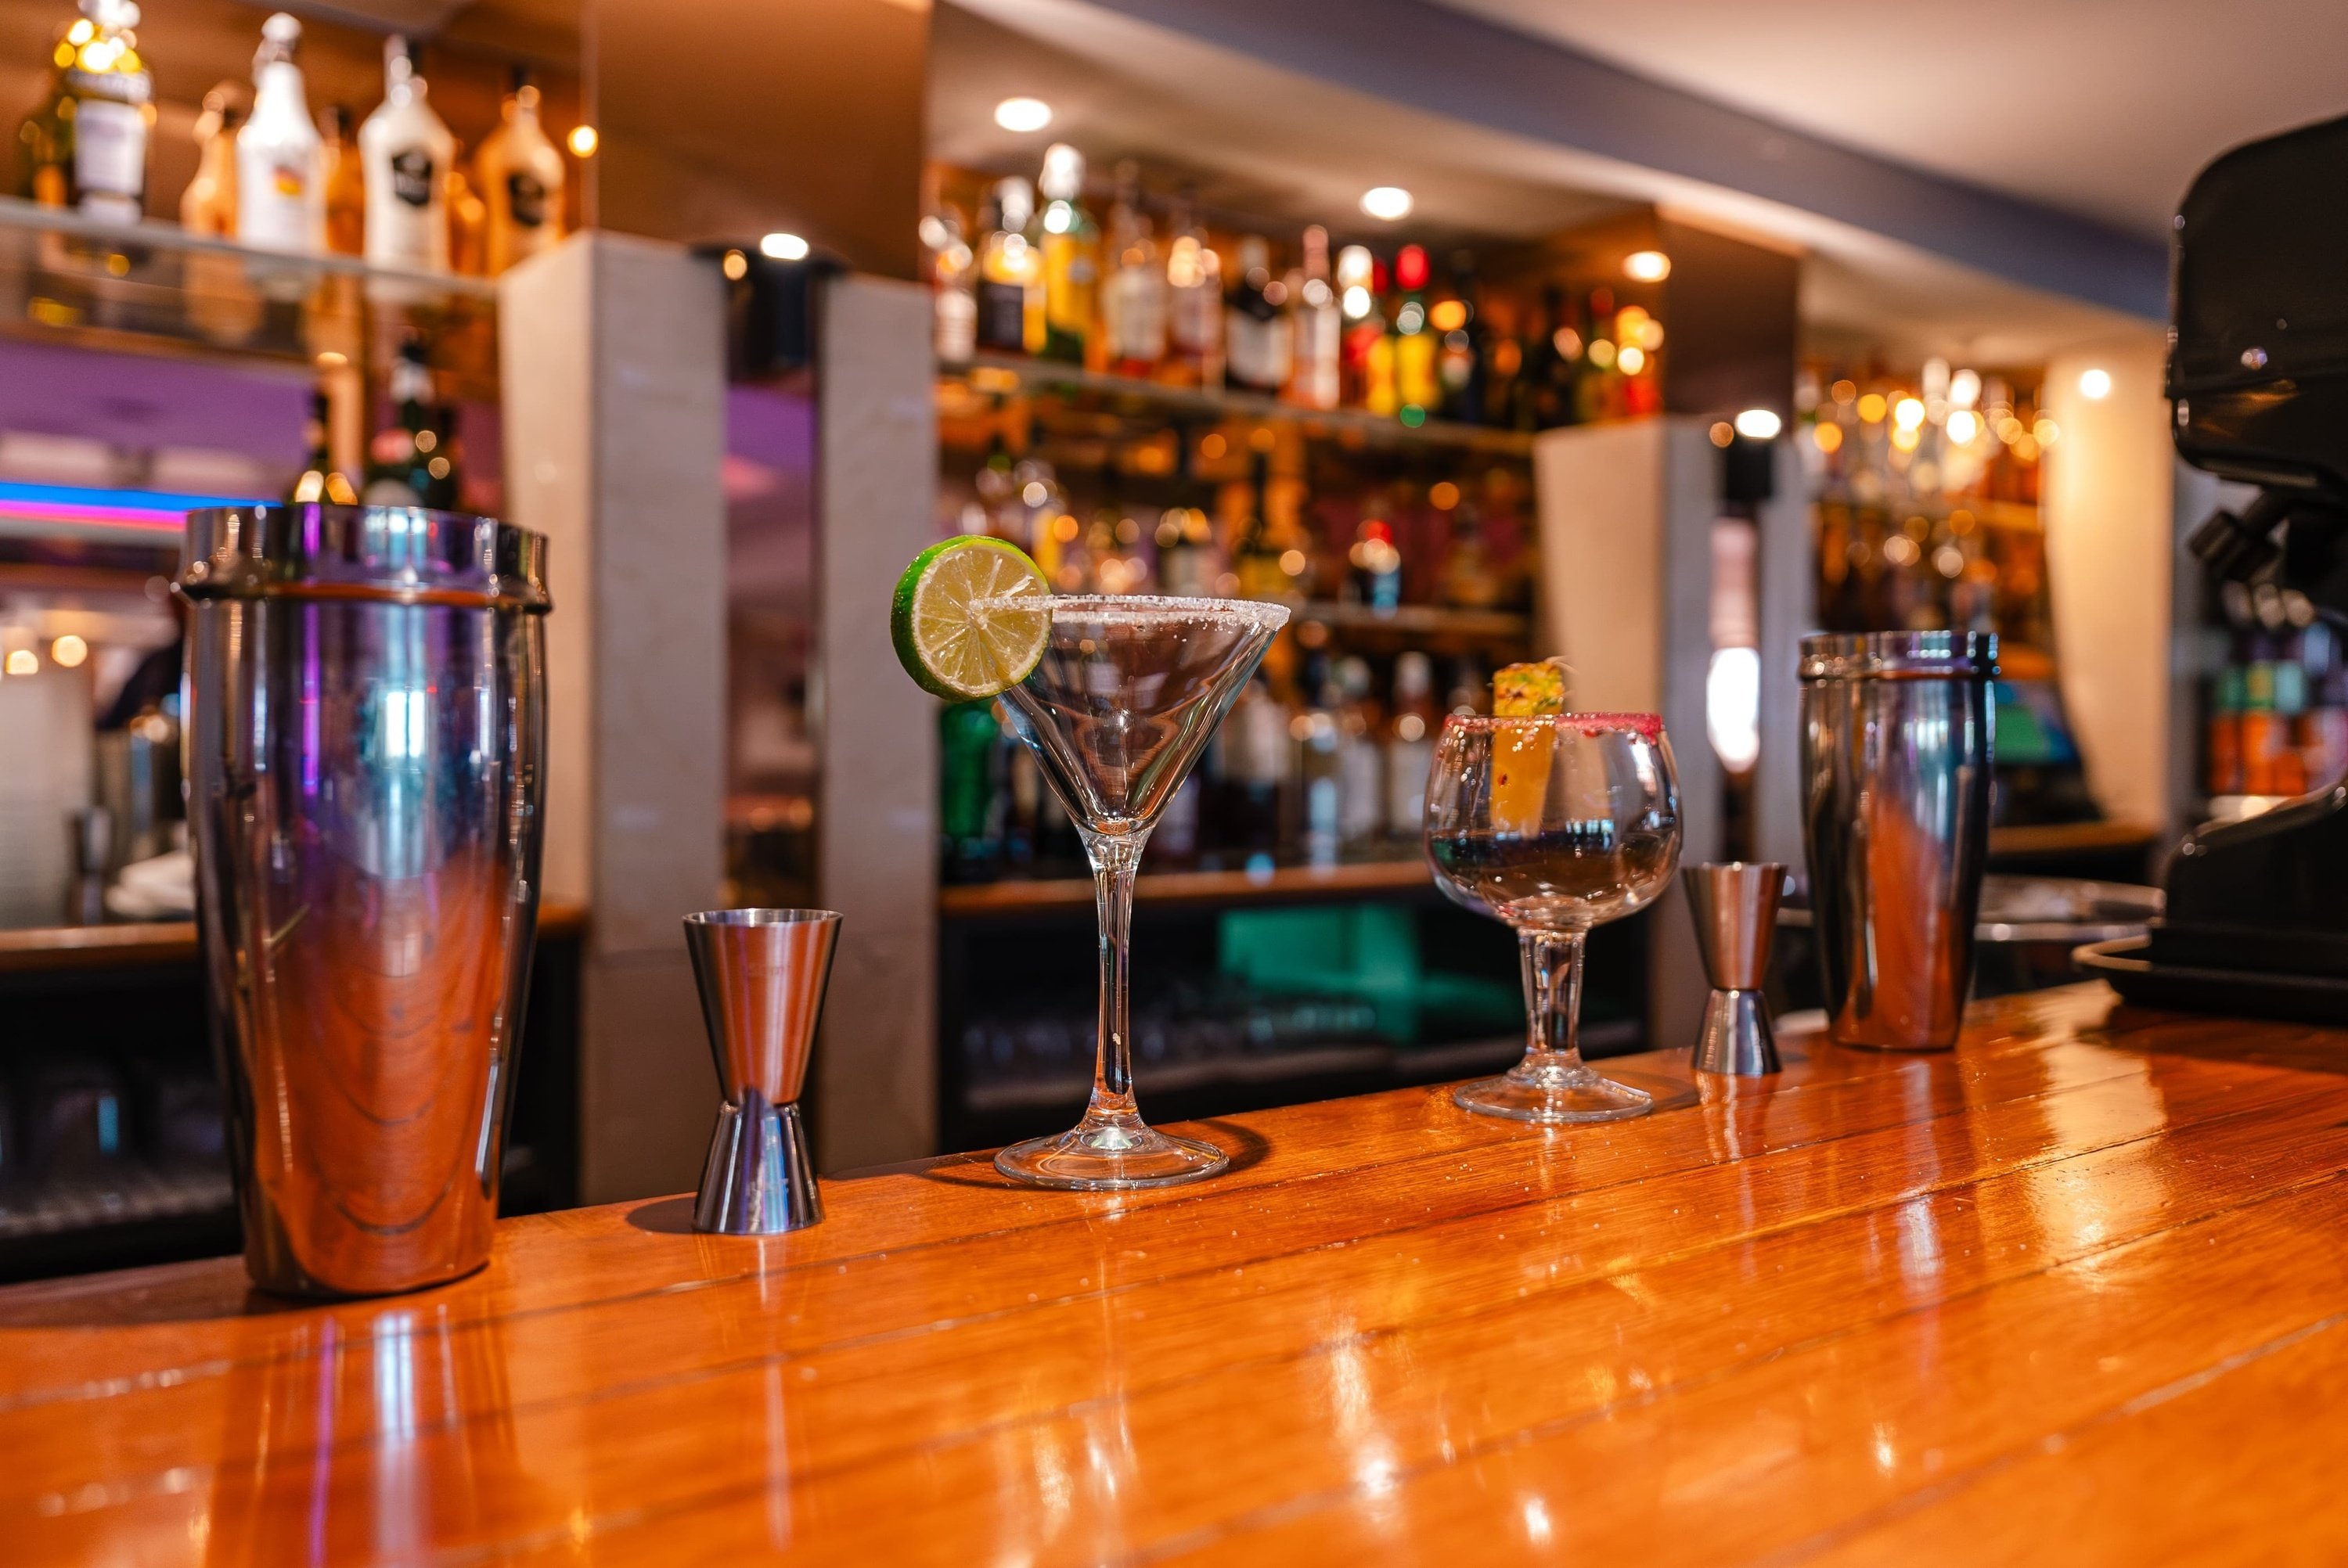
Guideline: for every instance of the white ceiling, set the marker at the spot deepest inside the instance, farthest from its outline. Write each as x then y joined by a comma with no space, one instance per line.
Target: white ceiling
2105,108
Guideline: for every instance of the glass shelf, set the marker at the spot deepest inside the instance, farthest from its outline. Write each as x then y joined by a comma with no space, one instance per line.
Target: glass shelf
154,287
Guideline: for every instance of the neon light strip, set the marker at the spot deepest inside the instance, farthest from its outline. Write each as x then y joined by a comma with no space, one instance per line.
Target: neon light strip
146,511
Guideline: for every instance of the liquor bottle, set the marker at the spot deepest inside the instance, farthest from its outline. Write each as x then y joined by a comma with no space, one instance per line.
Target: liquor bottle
319,480
1251,752
415,460
1361,770
208,205
469,225
953,279
1010,274
1071,246
519,173
1410,744
407,154
280,190
1315,382
1319,766
1133,284
970,808
1377,576
85,146
1186,557
338,157
1255,558
1360,323
1194,289
1258,345
1417,390
1552,365
1459,359
1470,582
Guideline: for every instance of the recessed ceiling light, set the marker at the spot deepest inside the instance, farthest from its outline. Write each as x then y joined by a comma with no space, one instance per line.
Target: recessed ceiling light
783,246
1388,203
1758,425
1023,115
2095,384
1646,266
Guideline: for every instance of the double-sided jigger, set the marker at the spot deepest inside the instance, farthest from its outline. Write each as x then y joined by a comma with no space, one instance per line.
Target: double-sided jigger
762,974
1736,908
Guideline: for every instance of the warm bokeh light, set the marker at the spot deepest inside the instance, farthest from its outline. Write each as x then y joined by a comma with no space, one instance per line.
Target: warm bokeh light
69,651
1965,388
583,141
2046,432
1448,316
783,246
1647,266
1443,495
1023,115
736,265
1759,424
1872,408
1723,433
1388,203
1827,436
2095,383
1964,424
23,661
1633,359
1908,413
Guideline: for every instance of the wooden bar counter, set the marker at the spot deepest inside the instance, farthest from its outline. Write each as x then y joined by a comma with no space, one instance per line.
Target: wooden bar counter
2078,1293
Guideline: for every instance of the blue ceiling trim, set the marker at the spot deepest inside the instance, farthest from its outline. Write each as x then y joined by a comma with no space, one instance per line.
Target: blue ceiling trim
1444,62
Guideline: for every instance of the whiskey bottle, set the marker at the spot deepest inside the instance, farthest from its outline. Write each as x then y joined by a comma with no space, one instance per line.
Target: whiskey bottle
1417,390
518,173
1010,274
1194,286
1258,336
953,276
1314,381
345,185
1133,285
85,146
1071,246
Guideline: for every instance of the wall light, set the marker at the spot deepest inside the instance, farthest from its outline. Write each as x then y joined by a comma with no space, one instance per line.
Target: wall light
69,651
1388,203
1023,115
1758,425
783,246
1646,266
583,141
2095,384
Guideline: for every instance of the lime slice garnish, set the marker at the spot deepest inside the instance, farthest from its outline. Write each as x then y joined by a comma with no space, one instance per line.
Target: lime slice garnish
970,618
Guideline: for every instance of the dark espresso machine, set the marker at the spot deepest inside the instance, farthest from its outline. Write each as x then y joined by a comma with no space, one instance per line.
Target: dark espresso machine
2256,916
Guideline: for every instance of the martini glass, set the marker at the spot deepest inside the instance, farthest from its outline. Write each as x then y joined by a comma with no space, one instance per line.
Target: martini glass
1122,702
1553,825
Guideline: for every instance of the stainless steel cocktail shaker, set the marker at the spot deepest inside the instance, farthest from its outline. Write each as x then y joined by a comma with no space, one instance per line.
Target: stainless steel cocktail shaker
366,731
1896,731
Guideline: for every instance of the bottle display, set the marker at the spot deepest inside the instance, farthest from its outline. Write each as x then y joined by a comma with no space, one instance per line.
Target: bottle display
519,175
1133,298
406,154
320,479
1314,381
953,276
414,457
1259,343
1194,288
346,184
281,195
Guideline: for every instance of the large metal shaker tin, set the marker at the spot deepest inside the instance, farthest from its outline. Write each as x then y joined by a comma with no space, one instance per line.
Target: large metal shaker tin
1896,737
366,731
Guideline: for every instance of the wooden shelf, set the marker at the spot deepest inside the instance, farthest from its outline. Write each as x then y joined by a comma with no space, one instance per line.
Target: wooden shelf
1284,883
1422,621
2069,838
999,374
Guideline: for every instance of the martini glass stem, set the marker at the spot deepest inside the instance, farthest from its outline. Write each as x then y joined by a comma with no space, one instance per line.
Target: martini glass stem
1115,861
1552,971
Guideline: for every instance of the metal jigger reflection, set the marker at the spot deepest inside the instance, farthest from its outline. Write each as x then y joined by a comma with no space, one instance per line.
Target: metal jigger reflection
762,974
1735,909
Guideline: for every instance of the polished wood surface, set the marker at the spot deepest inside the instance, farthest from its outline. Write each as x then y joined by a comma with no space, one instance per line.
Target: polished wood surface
2075,1293
129,945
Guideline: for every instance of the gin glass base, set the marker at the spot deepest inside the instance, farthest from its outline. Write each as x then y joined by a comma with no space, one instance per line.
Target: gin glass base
1553,1091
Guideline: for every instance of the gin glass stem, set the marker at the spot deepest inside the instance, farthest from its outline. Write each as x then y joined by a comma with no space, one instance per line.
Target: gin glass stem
1115,861
1553,970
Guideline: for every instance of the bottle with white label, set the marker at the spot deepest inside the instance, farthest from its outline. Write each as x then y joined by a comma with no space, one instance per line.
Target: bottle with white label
520,174
281,189
1133,283
85,146
406,153
1259,334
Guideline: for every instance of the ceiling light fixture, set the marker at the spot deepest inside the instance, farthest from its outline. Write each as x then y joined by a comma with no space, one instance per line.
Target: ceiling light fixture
1388,203
783,246
2095,384
1758,425
1646,266
1023,115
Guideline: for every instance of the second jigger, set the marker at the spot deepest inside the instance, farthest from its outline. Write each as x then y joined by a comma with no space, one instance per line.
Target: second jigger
762,974
1736,908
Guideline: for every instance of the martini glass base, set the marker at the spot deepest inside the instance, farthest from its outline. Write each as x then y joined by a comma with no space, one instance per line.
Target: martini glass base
1553,1091
1108,1157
